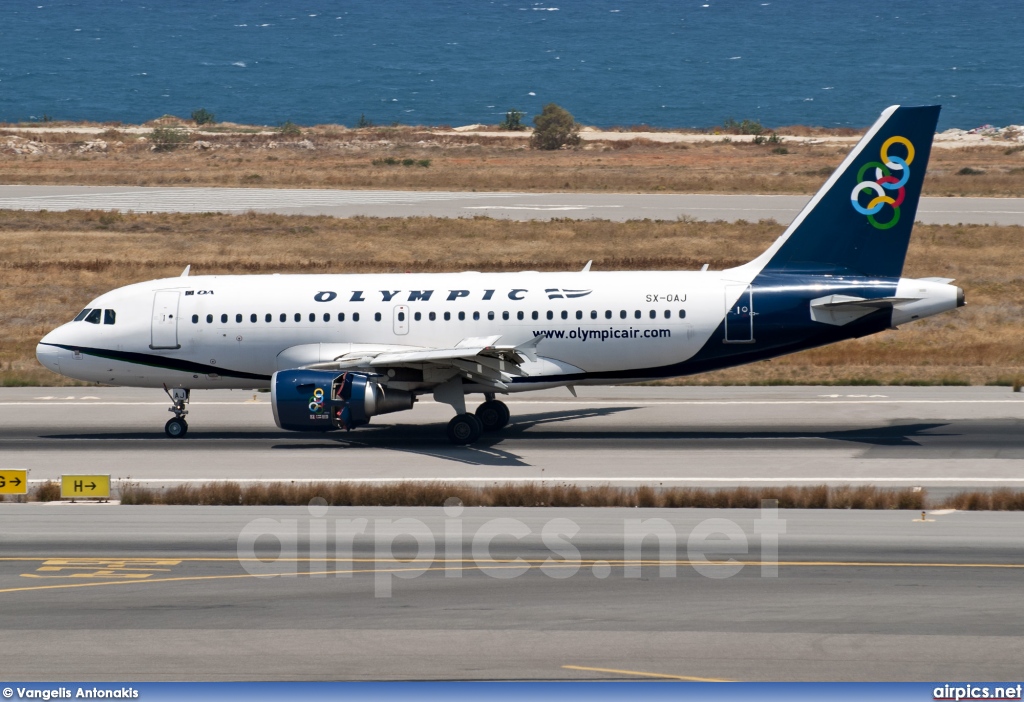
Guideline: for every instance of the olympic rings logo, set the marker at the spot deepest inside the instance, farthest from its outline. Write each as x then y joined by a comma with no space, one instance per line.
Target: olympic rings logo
316,403
884,183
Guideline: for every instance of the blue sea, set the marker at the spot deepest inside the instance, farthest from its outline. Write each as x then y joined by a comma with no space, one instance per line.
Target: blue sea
681,63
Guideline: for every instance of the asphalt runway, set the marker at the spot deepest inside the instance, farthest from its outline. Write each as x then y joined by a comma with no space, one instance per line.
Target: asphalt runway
944,439
203,593
617,207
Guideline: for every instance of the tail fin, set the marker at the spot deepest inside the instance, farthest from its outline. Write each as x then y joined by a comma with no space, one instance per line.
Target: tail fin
859,223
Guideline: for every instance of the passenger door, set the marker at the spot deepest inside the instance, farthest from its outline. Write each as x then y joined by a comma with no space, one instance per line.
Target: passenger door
164,333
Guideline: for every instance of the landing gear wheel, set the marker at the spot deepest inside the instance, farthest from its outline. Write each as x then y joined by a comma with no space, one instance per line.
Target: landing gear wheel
493,414
176,428
464,429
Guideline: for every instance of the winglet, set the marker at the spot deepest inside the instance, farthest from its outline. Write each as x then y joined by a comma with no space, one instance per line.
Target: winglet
586,268
184,273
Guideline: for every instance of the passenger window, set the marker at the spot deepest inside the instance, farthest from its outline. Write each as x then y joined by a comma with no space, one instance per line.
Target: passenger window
252,318
593,314
417,316
636,314
490,315
447,316
81,315
376,316
682,314
312,316
341,316
534,314
109,316
476,316
195,319
551,315
519,316
579,314
622,314
223,319
355,316
94,316
565,315
504,315
268,318
284,317
462,316
607,314
401,316
298,317
209,319
668,314
327,316
238,319
433,316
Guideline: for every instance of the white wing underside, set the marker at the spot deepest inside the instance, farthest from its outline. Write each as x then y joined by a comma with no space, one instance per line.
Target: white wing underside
482,360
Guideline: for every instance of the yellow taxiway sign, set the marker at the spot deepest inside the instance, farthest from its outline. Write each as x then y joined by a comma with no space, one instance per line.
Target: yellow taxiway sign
13,482
85,487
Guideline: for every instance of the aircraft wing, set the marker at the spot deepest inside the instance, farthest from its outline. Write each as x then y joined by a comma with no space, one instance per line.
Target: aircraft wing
482,360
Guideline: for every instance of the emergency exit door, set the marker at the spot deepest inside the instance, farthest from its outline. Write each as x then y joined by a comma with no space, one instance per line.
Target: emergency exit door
401,319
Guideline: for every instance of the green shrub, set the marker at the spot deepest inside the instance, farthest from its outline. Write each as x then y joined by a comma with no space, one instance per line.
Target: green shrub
167,138
747,126
967,170
513,121
203,116
363,123
289,129
554,128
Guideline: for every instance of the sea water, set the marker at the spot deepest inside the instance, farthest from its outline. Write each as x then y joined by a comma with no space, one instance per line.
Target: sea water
666,63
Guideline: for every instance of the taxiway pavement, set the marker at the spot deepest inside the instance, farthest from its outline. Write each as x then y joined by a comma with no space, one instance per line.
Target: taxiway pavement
205,593
617,207
941,438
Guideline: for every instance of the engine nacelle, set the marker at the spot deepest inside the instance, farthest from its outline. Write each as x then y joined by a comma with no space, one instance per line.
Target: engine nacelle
310,400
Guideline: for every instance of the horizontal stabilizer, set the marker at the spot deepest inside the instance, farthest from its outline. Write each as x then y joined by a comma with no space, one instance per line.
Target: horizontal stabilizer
843,309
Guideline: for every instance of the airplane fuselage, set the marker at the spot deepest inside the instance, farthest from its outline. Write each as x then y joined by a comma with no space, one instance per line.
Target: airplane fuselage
595,327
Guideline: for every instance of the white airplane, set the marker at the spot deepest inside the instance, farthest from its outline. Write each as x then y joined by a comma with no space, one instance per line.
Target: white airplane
336,350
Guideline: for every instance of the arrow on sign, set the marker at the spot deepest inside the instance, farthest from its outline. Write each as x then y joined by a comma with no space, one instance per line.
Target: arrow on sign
16,481
91,486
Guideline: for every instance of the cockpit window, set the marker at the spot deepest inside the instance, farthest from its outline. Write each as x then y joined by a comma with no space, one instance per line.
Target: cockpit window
109,316
81,315
94,316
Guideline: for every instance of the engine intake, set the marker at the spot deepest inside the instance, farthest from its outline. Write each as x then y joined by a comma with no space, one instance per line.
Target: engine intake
309,400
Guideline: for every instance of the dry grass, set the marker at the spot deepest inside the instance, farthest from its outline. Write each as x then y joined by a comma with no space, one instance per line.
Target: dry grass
1001,500
333,157
434,494
46,492
54,263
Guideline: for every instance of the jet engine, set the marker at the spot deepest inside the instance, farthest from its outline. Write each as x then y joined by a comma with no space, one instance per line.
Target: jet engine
312,400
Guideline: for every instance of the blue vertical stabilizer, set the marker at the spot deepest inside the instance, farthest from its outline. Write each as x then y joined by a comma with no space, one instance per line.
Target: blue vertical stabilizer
859,223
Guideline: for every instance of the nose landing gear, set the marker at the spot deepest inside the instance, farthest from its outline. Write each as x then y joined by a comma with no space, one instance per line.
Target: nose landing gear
177,427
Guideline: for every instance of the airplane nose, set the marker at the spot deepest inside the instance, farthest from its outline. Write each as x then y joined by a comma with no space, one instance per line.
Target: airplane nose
48,356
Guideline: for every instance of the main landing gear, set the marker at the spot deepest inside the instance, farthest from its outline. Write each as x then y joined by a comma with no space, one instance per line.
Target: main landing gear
492,415
177,427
